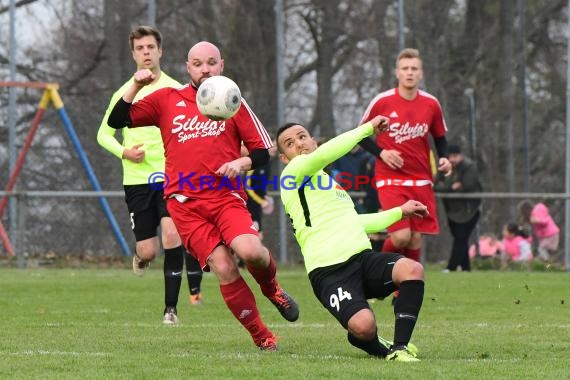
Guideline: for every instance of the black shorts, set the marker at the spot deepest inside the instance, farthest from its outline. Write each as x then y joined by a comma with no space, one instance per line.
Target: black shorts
146,208
344,288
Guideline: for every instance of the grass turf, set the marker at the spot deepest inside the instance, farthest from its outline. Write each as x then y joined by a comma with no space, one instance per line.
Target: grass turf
106,324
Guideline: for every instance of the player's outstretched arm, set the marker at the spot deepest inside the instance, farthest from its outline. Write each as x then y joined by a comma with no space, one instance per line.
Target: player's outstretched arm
119,116
141,78
309,164
414,208
379,221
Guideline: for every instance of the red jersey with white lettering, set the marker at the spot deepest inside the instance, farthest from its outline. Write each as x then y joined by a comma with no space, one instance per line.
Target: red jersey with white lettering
195,146
410,123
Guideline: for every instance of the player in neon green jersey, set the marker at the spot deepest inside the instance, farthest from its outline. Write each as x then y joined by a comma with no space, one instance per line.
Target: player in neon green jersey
343,270
142,155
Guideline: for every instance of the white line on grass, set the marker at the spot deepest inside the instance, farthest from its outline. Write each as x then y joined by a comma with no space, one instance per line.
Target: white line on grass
57,353
296,325
249,356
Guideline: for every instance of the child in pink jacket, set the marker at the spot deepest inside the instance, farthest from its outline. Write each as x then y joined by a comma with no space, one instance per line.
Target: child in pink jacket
516,243
546,231
489,246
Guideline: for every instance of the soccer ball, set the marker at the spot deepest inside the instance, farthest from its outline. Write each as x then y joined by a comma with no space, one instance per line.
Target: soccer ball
218,98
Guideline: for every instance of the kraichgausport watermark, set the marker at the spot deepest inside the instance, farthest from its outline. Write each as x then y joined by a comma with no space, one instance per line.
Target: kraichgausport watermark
346,181
158,181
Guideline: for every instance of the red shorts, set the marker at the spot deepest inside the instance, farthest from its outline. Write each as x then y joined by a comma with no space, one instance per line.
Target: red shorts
394,196
203,224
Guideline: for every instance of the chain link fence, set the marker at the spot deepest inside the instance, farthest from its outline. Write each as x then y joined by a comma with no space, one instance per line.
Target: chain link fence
73,223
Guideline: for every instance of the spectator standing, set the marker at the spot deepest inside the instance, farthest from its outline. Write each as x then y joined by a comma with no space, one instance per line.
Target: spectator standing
462,213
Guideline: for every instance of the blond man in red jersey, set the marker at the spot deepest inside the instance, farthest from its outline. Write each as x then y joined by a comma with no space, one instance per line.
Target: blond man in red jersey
403,169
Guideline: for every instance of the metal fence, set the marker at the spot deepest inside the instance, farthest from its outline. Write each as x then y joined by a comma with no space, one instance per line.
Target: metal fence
73,223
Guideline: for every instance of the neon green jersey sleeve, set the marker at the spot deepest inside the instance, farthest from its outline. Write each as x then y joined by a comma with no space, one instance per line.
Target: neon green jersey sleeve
379,221
106,135
305,165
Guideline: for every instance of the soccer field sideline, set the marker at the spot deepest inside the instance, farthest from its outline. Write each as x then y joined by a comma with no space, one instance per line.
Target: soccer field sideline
106,323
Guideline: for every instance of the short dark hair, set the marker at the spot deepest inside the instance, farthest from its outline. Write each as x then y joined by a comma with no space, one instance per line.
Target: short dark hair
143,31
282,129
517,230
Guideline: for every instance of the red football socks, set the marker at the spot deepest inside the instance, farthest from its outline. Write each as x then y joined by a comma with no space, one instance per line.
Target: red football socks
240,300
414,254
266,277
389,247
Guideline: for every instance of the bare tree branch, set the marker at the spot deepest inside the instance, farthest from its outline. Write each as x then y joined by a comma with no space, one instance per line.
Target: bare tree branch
20,3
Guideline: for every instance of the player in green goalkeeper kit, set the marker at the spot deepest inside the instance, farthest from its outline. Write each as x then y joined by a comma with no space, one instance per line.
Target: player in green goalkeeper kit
343,270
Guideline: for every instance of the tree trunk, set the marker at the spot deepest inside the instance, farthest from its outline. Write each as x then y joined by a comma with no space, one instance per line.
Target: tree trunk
506,91
323,117
117,49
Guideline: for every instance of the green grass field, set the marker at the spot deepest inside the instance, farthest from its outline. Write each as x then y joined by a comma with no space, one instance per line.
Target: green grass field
106,324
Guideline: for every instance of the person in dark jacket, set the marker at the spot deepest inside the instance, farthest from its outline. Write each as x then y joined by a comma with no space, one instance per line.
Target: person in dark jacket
462,213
